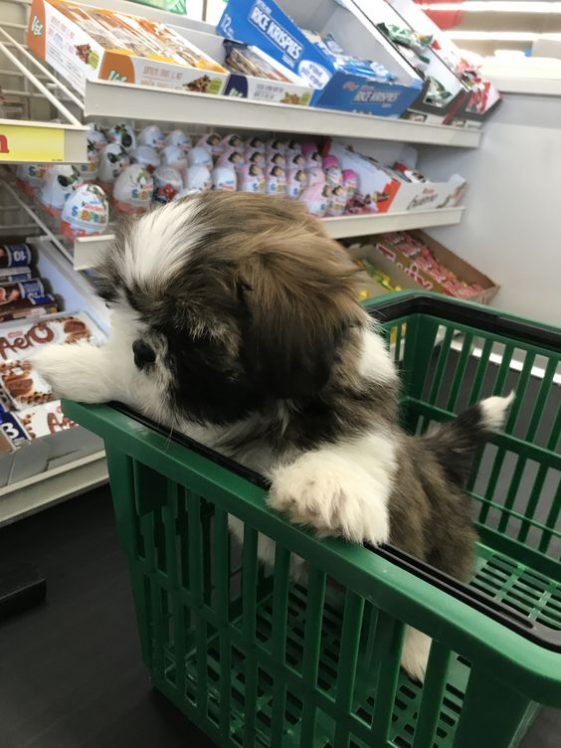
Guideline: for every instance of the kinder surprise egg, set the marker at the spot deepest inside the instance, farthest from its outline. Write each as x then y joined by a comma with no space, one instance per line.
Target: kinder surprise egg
185,193
257,142
152,136
198,179
224,178
255,156
146,156
167,183
275,180
59,183
233,141
296,180
333,173
112,160
123,134
133,190
293,147
213,142
350,180
174,156
276,146
85,212
180,139
276,158
199,156
96,137
251,178
338,200
232,157
29,178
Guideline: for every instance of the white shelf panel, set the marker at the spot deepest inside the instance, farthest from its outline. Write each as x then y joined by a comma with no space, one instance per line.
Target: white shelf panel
24,142
349,226
88,250
109,100
18,500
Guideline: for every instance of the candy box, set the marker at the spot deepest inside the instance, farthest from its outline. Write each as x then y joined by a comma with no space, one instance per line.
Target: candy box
44,420
277,30
95,44
22,385
419,261
12,433
15,255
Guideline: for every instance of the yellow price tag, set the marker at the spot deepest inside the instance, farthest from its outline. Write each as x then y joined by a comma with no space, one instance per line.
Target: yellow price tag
31,143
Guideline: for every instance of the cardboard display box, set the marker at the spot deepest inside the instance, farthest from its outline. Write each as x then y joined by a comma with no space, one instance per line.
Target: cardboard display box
278,31
94,44
403,272
388,191
295,92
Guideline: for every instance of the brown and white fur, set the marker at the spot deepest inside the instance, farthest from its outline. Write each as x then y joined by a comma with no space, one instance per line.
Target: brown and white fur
235,322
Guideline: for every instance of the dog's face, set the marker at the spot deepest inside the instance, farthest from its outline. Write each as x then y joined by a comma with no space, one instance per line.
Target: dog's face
235,300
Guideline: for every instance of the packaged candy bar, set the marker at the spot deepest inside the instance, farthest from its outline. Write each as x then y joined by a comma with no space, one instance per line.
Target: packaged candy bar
249,60
17,275
13,291
22,339
23,385
12,431
43,420
32,306
15,255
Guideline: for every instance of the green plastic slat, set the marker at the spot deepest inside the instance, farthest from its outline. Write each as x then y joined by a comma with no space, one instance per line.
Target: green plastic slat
459,374
433,690
387,649
196,585
346,672
551,522
541,399
504,370
250,568
555,434
312,647
438,378
280,612
492,710
221,565
520,392
480,372
533,501
506,509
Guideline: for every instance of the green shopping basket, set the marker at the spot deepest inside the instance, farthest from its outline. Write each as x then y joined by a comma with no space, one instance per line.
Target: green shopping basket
255,659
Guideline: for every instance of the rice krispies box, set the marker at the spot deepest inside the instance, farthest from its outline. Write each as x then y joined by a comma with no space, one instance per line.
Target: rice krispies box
96,44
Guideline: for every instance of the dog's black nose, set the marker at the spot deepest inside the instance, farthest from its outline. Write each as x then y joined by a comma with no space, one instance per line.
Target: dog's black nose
143,354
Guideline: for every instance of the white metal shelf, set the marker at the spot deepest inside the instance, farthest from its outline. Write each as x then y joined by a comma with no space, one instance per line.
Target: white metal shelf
20,499
107,100
88,249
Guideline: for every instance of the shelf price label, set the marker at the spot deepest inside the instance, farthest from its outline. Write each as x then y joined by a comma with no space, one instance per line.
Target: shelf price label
22,143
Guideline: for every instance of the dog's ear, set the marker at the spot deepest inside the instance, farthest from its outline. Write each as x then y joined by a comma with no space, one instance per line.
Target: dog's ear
300,298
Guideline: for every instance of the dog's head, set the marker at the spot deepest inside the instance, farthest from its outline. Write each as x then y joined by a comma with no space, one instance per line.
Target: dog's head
236,300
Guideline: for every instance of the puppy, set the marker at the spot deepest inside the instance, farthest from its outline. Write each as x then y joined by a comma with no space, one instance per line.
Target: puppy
235,321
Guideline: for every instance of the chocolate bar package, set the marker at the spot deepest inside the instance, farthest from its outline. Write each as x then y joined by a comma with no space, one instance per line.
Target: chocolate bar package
32,306
15,255
15,275
22,385
19,340
12,432
43,420
10,291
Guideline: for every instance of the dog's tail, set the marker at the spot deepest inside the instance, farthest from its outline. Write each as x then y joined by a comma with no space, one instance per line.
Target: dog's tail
455,443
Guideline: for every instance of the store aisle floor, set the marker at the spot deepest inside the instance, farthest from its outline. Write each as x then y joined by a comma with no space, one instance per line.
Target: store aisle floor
71,675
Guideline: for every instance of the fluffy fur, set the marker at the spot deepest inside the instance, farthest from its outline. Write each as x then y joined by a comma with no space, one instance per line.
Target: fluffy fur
235,321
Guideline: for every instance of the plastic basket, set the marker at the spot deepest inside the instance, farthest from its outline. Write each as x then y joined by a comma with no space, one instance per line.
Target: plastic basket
257,660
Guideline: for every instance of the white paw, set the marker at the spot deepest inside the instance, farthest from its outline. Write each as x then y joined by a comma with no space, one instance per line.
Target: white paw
332,495
415,653
71,371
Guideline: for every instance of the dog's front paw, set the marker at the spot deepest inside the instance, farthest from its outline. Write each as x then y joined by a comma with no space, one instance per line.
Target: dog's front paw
70,370
333,496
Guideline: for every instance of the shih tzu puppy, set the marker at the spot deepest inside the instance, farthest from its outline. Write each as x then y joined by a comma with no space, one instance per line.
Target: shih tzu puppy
235,321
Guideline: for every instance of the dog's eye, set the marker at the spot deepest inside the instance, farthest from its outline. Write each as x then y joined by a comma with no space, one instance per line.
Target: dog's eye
143,354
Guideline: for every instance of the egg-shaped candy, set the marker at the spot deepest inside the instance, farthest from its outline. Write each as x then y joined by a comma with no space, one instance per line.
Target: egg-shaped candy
200,156
29,178
167,183
224,178
232,157
146,156
86,212
198,178
233,141
112,160
152,136
60,182
174,156
251,178
123,134
275,180
296,181
180,139
212,142
96,137
133,190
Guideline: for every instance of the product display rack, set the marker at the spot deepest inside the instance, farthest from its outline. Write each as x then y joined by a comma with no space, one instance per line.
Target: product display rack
107,102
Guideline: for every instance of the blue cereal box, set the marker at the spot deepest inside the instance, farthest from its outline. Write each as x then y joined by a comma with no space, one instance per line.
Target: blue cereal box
267,26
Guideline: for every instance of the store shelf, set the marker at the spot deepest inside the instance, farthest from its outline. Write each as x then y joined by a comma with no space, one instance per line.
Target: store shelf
109,101
89,249
52,486
349,226
43,142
